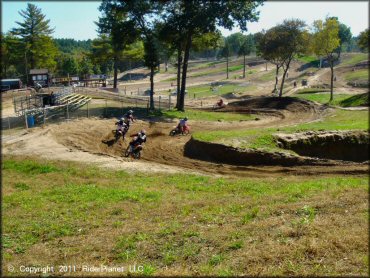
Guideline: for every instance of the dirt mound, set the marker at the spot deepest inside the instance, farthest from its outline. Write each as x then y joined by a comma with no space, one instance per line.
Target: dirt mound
225,154
285,103
231,96
347,146
91,141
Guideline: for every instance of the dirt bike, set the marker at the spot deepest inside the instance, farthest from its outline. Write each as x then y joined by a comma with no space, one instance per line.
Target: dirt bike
218,106
118,133
134,151
176,130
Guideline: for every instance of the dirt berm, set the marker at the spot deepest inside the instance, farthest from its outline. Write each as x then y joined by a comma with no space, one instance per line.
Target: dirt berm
290,104
338,145
219,153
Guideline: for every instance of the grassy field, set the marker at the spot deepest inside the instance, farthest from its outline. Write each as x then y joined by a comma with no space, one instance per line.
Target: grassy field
208,70
311,90
197,115
268,76
356,100
354,59
60,213
344,100
324,98
259,138
205,90
308,59
358,75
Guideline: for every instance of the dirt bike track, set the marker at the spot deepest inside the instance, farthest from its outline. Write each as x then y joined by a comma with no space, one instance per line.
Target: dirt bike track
91,141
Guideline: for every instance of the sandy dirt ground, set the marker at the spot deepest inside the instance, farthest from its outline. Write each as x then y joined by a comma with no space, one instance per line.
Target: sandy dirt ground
91,141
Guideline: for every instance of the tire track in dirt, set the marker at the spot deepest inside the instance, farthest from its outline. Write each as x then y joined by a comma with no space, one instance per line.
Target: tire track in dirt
90,140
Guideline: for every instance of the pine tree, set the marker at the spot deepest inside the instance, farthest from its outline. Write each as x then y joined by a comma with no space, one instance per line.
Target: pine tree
34,32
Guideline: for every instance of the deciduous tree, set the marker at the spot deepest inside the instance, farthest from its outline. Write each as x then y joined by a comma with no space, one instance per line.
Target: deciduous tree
325,42
280,44
363,40
115,25
201,16
225,52
245,49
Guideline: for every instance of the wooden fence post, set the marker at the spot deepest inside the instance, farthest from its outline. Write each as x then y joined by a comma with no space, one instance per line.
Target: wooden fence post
67,110
25,117
44,115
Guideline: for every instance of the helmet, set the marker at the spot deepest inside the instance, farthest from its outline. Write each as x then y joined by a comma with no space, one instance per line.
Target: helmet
130,111
186,118
143,132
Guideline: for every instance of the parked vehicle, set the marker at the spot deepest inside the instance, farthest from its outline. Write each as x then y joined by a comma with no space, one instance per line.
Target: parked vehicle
10,84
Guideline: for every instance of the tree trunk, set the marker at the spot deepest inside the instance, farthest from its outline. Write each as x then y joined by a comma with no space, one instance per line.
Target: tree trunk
129,61
331,80
115,67
276,78
283,80
184,71
25,67
244,67
166,65
179,60
151,88
227,67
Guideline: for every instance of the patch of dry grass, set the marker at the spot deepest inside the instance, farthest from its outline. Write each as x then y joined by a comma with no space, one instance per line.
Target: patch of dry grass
59,213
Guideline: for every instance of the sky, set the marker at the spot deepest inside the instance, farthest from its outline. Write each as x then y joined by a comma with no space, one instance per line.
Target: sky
75,19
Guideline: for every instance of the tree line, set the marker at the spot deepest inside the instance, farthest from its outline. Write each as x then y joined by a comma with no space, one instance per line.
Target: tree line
148,33
293,38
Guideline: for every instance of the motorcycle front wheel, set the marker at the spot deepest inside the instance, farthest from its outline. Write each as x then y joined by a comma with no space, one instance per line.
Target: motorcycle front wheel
127,152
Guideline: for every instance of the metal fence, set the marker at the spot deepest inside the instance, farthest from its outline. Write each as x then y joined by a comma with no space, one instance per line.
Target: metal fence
103,105
101,108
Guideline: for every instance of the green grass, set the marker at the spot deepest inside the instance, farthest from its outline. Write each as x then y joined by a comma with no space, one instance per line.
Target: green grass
324,98
262,138
344,100
356,100
358,75
268,76
308,59
207,72
205,90
164,221
198,115
354,59
311,90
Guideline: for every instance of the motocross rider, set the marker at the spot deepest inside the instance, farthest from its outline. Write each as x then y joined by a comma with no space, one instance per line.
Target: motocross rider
220,103
128,117
182,124
121,125
140,138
